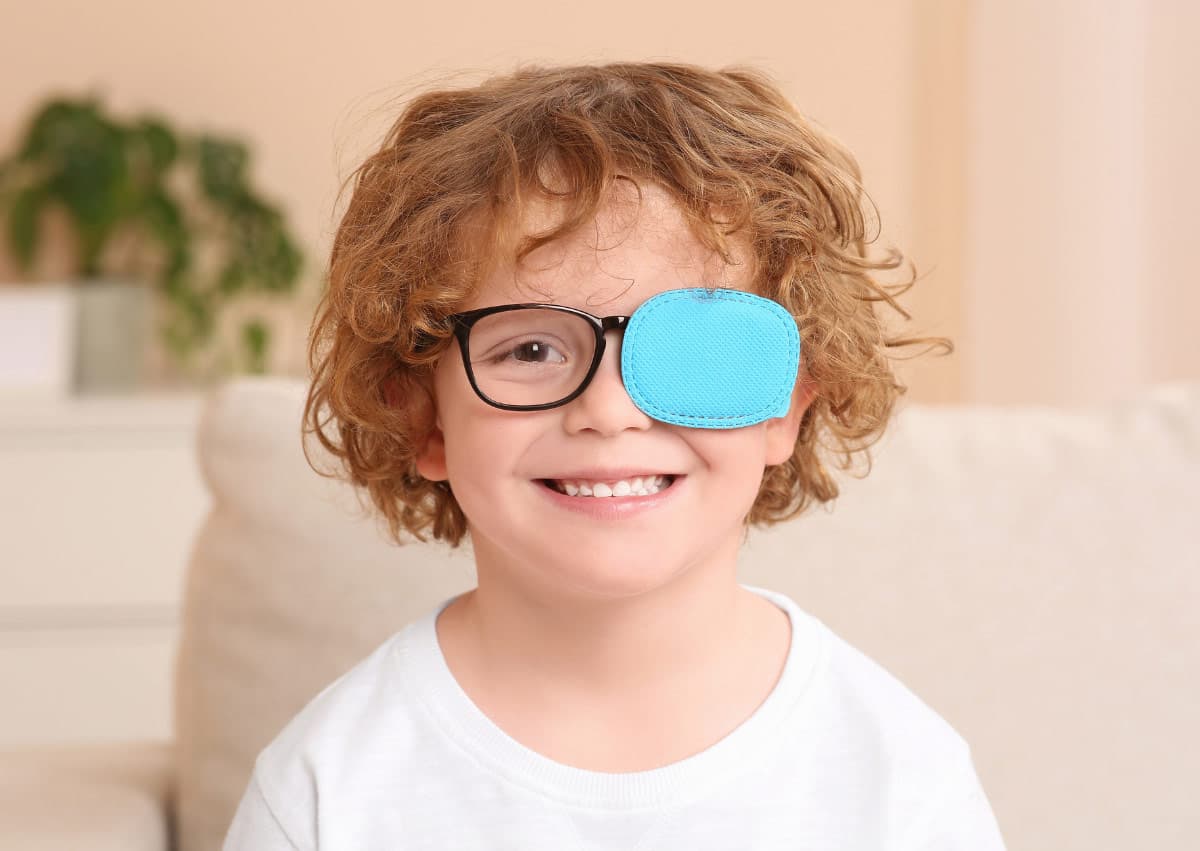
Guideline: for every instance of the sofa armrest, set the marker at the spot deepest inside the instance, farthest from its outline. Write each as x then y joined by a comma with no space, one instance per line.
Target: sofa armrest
100,797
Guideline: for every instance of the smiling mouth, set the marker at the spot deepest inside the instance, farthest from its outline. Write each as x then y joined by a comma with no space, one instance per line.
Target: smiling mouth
636,486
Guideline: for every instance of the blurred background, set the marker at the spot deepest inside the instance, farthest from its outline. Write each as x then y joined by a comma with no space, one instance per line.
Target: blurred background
1035,159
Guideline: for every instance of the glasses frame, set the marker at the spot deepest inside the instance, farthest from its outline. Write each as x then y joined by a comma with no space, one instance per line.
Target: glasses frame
601,325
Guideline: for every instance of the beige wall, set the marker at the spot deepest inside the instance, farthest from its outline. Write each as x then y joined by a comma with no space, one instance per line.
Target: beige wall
1081,194
311,85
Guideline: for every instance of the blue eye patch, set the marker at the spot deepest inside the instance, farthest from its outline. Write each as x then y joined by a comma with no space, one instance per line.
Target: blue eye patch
710,358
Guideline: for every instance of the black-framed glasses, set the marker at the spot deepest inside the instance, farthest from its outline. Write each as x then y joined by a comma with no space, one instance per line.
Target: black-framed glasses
531,357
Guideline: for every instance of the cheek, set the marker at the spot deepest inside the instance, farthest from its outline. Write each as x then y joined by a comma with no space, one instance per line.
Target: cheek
734,453
484,447
735,461
473,449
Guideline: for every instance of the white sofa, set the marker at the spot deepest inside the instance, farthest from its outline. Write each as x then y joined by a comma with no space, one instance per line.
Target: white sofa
1031,573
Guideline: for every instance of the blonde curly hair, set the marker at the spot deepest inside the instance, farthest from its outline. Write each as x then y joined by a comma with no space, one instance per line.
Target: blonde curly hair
433,207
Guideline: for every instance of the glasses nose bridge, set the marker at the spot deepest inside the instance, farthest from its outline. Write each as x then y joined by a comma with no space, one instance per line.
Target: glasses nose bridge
612,323
608,323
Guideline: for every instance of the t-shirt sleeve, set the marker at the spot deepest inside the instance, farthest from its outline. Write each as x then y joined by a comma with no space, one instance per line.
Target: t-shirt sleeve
964,821
256,825
964,825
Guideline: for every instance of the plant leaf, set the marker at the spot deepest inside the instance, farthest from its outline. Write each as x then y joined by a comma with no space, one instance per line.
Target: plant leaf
24,215
256,337
153,144
222,164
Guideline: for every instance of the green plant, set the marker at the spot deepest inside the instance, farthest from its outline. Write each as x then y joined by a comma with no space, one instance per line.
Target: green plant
186,196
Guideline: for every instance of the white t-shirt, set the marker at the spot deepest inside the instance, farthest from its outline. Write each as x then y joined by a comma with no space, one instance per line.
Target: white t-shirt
394,756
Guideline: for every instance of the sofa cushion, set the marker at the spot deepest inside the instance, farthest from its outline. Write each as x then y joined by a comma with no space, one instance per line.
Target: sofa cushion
102,797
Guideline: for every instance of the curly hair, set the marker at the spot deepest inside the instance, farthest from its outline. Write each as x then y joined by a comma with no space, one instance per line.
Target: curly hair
431,212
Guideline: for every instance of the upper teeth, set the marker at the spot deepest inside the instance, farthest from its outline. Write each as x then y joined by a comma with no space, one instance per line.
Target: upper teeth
639,486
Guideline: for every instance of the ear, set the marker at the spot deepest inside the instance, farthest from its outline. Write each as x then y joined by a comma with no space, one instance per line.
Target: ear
781,432
431,460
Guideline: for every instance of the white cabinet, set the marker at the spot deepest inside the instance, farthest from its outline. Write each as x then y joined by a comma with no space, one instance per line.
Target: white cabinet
100,500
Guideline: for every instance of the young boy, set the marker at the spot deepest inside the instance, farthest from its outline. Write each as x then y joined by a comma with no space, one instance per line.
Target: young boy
597,319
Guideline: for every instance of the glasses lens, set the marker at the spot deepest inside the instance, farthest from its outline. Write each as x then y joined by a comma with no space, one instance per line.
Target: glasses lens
530,356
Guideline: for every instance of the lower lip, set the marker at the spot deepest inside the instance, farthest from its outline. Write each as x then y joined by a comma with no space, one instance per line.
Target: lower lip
610,507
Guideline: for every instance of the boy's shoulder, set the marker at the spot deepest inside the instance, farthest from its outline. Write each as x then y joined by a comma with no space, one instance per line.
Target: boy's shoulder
849,687
883,736
864,703
366,701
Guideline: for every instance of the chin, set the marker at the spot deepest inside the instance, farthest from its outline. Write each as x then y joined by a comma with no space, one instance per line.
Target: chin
613,591
616,576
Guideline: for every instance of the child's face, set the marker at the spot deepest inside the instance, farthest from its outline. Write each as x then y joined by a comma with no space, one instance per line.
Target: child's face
497,461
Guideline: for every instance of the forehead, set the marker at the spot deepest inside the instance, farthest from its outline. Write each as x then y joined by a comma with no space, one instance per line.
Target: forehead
632,249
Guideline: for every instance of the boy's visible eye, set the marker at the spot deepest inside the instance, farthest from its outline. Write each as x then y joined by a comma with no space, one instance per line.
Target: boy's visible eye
538,352
531,351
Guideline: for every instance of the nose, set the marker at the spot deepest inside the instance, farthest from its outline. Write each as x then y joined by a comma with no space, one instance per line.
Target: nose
605,406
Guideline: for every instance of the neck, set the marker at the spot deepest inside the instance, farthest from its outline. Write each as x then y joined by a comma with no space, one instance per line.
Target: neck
695,629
